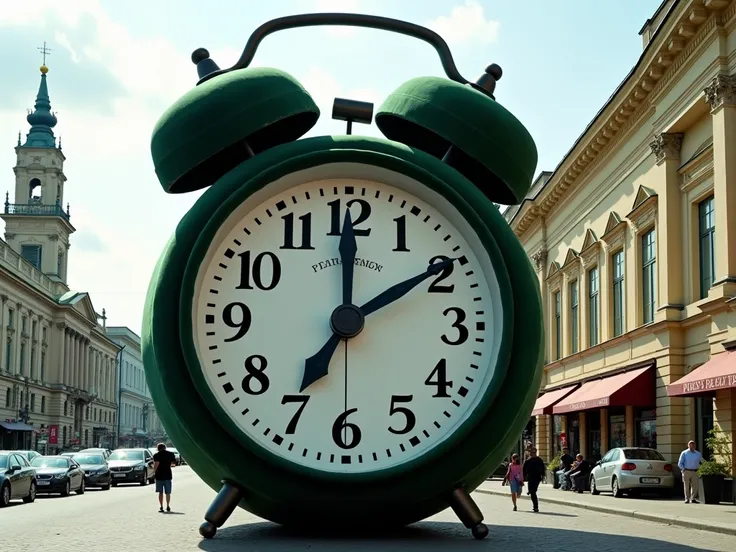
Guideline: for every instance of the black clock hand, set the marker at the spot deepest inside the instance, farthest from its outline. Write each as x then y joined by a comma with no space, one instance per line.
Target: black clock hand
316,367
347,248
399,290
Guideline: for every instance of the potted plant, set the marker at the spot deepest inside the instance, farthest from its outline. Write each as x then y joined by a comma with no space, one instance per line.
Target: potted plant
718,471
552,467
713,474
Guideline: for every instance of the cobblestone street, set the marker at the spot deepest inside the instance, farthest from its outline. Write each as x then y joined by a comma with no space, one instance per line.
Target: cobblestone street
126,518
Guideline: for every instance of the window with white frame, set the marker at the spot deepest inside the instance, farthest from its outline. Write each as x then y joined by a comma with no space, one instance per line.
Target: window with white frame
649,275
593,306
619,293
574,317
707,228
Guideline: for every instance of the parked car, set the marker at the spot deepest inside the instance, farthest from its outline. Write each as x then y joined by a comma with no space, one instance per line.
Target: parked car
17,478
28,454
134,465
58,474
97,450
176,454
96,470
629,470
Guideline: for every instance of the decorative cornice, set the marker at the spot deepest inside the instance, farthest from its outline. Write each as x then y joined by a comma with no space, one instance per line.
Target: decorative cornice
721,91
540,259
9,236
676,41
53,237
666,147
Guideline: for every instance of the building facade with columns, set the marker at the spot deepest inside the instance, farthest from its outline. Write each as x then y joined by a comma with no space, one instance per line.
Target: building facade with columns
138,423
634,241
58,385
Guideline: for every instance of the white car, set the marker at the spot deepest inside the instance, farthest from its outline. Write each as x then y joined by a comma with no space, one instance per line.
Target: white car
627,470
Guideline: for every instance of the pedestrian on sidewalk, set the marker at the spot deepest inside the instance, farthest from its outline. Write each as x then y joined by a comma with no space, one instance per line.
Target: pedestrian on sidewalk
533,472
515,478
690,460
163,460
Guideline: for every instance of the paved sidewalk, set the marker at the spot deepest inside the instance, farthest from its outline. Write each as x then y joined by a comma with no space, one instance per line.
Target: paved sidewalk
709,517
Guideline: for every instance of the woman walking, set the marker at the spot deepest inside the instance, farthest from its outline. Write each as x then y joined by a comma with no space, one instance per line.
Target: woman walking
515,478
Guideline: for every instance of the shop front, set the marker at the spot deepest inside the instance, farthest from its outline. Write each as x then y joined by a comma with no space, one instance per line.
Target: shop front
601,413
712,387
15,435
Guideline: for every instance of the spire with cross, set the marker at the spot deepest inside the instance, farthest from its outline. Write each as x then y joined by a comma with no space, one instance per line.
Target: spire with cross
44,51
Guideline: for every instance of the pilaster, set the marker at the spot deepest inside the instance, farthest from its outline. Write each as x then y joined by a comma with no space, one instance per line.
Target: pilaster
604,431
630,427
721,96
3,332
539,260
666,149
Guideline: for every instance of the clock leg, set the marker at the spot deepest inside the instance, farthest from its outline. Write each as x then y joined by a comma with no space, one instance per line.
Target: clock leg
221,508
468,512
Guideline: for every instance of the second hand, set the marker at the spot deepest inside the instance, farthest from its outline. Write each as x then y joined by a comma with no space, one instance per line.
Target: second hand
345,428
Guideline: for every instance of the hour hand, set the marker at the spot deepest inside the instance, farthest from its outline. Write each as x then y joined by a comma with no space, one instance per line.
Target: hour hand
316,366
396,292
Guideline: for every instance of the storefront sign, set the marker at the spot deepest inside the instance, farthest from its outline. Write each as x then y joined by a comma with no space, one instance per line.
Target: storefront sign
710,384
53,434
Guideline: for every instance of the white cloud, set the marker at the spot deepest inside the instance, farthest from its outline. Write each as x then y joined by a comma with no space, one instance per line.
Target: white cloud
111,185
338,6
466,24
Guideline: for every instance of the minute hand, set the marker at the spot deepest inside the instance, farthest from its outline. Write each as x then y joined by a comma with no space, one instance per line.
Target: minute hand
399,290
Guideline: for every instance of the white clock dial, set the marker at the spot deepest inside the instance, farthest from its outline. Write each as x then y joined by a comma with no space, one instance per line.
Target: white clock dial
270,282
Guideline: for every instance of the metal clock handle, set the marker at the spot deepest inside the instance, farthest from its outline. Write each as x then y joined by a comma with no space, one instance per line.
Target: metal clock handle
208,69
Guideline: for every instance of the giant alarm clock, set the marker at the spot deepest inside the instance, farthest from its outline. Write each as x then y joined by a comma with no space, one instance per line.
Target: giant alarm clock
343,330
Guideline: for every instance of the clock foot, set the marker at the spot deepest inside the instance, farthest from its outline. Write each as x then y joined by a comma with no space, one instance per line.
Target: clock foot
221,508
468,512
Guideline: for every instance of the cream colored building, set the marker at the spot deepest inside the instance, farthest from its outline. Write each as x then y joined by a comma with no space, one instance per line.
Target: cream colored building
634,240
57,364
138,422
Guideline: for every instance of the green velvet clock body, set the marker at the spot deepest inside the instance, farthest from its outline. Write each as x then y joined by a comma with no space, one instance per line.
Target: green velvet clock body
272,489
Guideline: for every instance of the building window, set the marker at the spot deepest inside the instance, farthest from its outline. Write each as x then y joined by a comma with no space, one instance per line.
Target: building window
707,227
618,293
59,263
22,358
574,317
43,404
43,333
33,361
558,326
646,428
7,398
23,324
617,429
11,312
32,254
649,280
703,423
33,402
593,307
41,376
33,330
8,354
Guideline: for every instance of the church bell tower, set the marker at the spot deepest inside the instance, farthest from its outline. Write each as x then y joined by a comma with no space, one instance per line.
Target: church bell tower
36,224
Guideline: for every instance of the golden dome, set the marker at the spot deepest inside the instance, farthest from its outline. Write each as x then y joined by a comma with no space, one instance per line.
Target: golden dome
44,69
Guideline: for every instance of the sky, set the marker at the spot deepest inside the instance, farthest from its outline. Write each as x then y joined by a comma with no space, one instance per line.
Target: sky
115,67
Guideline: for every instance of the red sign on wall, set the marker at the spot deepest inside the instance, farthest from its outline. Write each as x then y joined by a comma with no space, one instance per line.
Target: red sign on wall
53,435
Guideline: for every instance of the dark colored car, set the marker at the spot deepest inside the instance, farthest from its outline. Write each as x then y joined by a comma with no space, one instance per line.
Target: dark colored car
96,470
133,465
58,474
17,478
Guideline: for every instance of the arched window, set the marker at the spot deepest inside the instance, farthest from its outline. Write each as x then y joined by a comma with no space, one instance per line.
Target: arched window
34,190
59,263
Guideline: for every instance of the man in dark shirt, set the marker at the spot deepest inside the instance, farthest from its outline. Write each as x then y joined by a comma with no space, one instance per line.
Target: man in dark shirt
566,462
162,462
534,469
580,472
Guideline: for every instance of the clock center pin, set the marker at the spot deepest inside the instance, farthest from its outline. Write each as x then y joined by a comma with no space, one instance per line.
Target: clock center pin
347,321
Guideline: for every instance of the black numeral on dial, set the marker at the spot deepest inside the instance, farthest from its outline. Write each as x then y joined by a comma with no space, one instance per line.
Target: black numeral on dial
441,382
462,331
255,366
435,286
288,399
351,429
243,319
336,217
306,231
411,419
257,272
400,234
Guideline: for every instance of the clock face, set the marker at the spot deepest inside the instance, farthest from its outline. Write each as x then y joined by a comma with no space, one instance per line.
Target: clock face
270,281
